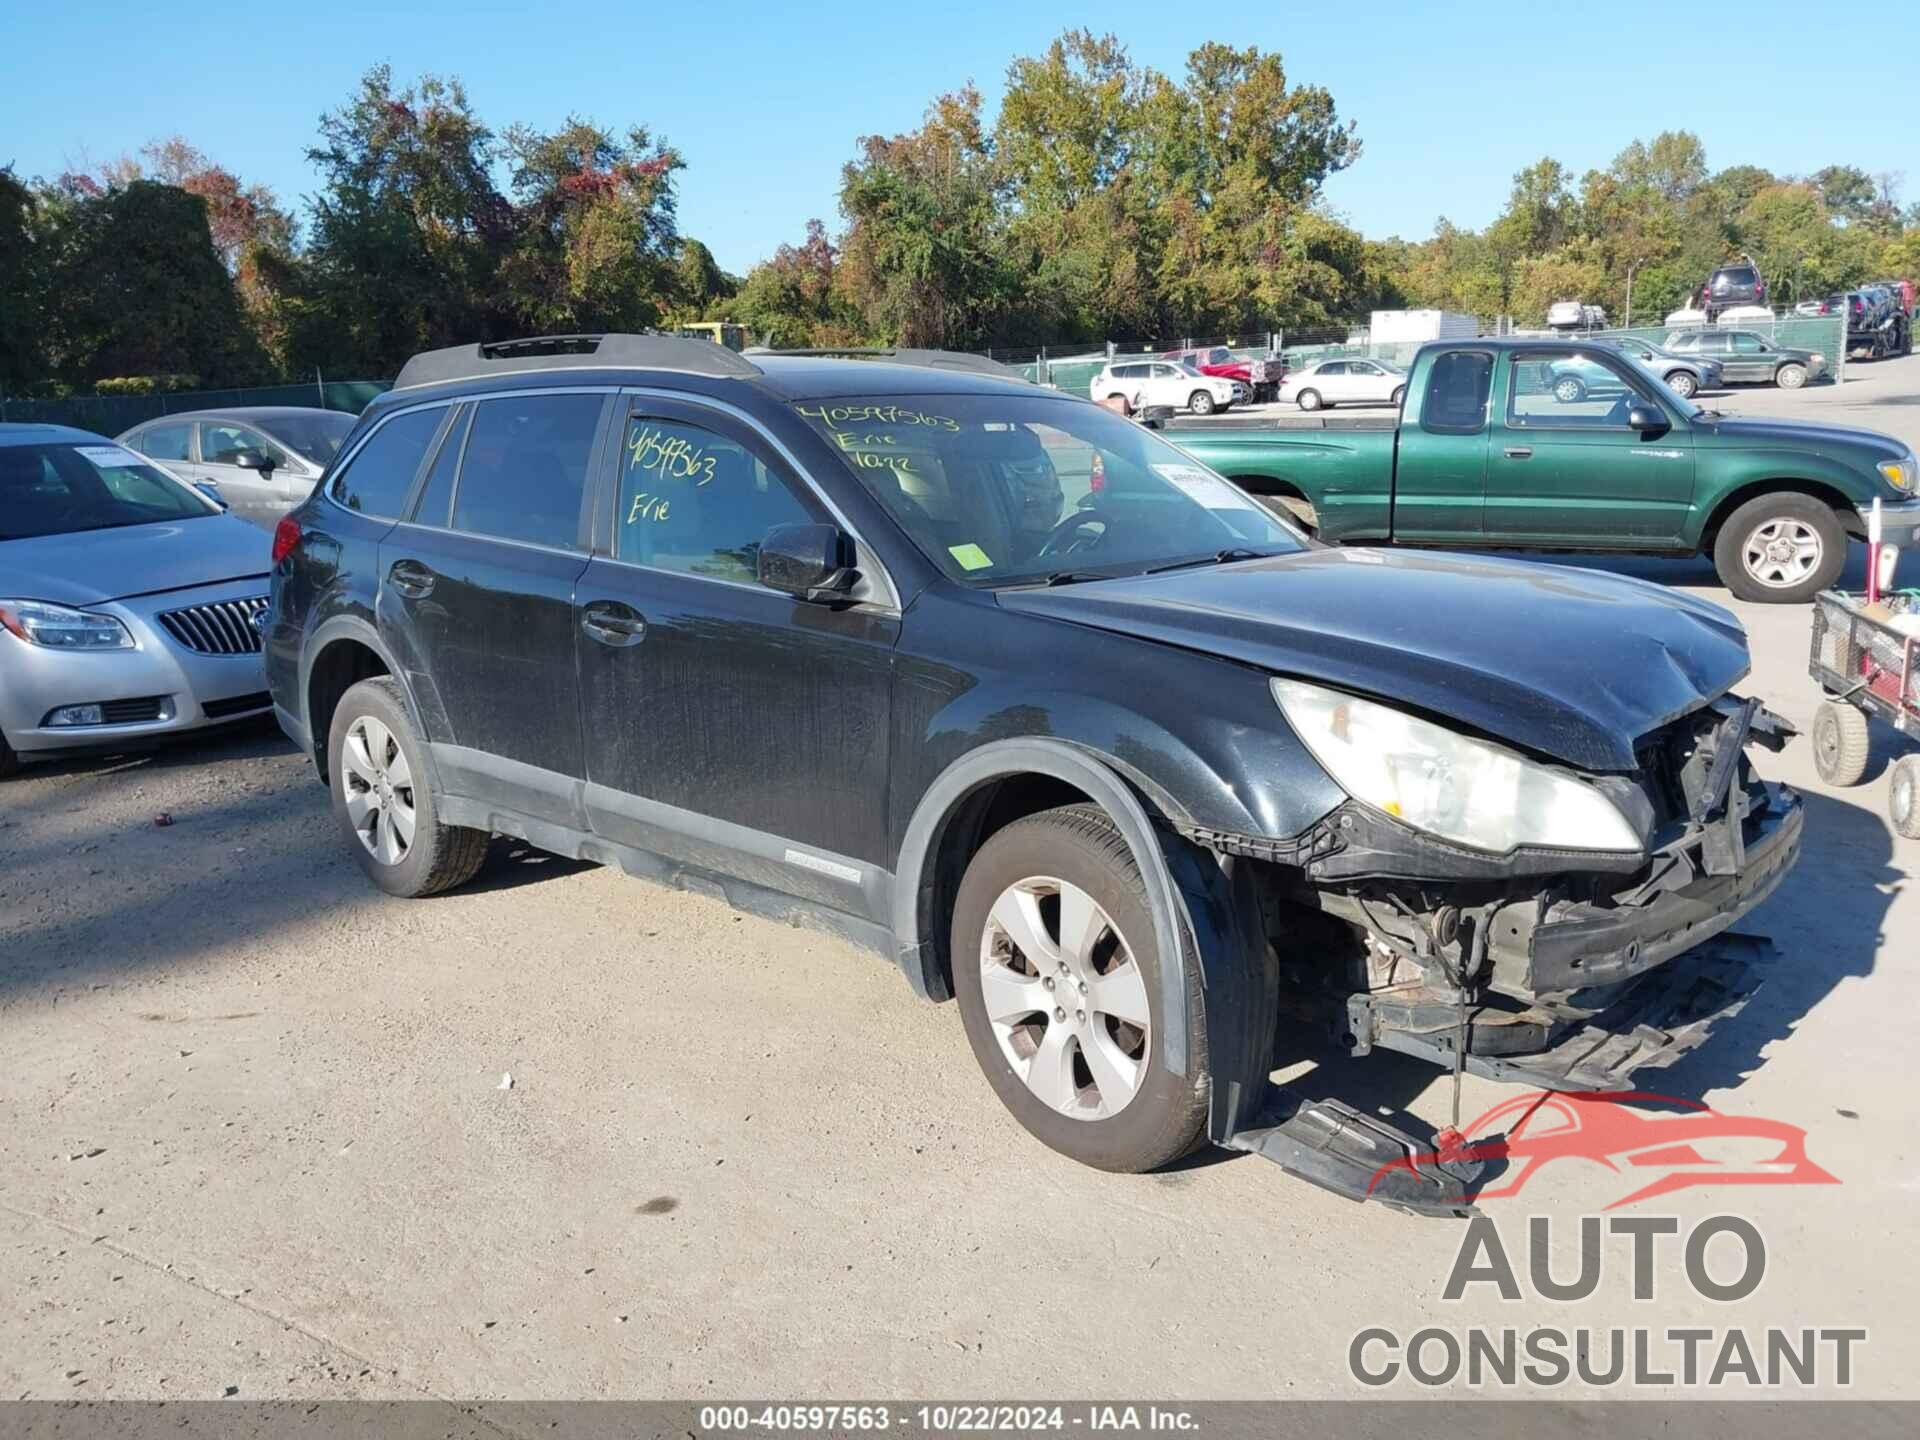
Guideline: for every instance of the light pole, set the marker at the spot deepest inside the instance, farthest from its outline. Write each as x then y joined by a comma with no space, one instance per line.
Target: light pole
1632,265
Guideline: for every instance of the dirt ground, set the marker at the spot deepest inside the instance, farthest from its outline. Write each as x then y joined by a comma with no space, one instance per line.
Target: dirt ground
257,1136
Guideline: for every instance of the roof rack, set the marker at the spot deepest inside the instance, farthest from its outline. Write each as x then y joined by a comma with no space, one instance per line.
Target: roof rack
583,352
932,359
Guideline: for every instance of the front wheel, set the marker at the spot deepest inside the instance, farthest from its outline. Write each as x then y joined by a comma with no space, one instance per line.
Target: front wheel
1903,800
1682,384
1057,970
1841,743
1790,377
382,797
1780,549
1200,403
1308,400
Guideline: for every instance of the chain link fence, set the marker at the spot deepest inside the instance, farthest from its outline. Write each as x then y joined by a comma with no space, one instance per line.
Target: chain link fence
114,414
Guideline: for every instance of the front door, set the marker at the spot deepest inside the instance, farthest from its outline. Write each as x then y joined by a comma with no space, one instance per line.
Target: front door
1749,360
727,725
476,591
259,495
1440,470
1567,468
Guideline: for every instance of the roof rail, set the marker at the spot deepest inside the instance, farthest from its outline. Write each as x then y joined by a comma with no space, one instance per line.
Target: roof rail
582,352
932,359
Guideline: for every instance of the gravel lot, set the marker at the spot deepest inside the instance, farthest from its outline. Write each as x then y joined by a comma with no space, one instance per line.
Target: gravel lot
254,1138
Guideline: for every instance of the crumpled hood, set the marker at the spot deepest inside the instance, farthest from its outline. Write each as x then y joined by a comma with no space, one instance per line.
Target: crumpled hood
1570,663
1849,441
94,566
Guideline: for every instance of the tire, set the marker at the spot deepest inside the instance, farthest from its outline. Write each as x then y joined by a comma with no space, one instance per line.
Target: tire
1791,376
1200,402
1682,384
1399,396
1308,400
1903,799
435,857
1569,390
1146,1116
1770,527
1840,743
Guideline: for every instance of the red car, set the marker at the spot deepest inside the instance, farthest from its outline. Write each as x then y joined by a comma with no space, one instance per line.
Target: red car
1698,1147
1261,377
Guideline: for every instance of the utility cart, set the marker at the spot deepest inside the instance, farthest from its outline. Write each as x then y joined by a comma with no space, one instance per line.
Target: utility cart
1866,656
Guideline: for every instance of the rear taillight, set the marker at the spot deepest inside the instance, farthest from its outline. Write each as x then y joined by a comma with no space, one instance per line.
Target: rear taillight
286,535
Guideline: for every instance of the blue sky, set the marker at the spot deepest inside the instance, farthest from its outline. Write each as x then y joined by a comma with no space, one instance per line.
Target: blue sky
765,102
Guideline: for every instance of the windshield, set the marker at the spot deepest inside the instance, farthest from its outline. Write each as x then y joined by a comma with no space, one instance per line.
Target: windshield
1008,488
63,489
1187,365
315,436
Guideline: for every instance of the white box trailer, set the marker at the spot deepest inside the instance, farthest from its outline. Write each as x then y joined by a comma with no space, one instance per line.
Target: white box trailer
1400,327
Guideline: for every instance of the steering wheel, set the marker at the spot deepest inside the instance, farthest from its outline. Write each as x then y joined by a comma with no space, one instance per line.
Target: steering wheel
1055,543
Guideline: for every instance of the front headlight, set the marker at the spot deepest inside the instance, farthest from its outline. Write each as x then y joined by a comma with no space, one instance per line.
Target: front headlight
1898,473
1446,784
59,628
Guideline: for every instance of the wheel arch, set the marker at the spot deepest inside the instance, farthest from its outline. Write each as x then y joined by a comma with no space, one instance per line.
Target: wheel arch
1002,781
343,651
1820,490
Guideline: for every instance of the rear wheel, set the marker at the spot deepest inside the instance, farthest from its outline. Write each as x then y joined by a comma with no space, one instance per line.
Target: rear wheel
1308,400
1840,743
1200,402
1780,548
1058,974
1903,800
382,796
1790,376
1682,384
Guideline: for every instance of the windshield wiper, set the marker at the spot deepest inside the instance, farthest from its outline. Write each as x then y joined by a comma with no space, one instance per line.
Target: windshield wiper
1073,577
1219,557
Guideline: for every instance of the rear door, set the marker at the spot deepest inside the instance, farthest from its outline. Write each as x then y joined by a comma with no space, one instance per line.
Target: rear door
1330,379
728,725
476,590
1440,466
1567,468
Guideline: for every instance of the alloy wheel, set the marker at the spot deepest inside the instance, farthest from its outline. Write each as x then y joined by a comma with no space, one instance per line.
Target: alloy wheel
1066,998
1781,553
378,783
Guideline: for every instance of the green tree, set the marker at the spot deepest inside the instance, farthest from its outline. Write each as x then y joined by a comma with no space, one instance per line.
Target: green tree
23,361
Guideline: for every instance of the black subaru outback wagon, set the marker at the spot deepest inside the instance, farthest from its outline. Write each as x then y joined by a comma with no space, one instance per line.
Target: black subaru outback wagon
1012,690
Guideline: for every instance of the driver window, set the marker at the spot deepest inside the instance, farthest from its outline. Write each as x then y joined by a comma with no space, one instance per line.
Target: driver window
696,501
221,444
1748,344
1564,388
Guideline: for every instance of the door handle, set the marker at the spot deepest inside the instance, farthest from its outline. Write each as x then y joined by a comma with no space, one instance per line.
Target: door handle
411,579
1519,452
612,623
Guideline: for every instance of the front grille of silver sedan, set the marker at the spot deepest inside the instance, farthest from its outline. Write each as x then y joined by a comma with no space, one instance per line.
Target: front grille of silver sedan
225,627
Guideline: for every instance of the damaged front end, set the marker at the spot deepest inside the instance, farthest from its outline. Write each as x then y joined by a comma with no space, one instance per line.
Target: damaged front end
1562,970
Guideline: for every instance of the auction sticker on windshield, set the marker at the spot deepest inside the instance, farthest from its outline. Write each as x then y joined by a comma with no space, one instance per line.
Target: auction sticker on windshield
110,457
1210,490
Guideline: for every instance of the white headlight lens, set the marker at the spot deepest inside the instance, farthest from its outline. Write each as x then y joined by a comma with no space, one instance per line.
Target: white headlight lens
1898,473
1446,784
60,628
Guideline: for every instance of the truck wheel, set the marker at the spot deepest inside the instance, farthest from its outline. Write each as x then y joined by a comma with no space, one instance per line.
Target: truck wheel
1840,743
1682,384
1792,376
1057,973
1780,549
381,796
1200,403
1568,390
1903,800
1308,400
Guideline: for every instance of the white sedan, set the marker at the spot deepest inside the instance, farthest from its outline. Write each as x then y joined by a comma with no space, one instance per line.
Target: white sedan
1344,382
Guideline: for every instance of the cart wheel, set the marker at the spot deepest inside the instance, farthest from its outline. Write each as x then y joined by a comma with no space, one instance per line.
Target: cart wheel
1840,743
1903,801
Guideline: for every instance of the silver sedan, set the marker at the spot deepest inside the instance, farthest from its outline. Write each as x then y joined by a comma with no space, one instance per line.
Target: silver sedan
130,606
261,460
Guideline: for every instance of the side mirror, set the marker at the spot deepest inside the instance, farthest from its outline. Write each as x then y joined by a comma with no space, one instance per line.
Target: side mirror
809,562
1641,417
211,491
254,460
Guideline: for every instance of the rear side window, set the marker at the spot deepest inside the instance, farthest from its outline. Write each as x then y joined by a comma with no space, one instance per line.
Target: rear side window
164,442
1457,390
381,471
525,468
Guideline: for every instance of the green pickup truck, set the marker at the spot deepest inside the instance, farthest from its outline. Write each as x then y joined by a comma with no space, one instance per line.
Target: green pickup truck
1562,445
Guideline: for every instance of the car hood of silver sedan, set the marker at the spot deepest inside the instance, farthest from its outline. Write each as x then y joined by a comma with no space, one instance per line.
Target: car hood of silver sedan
91,567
